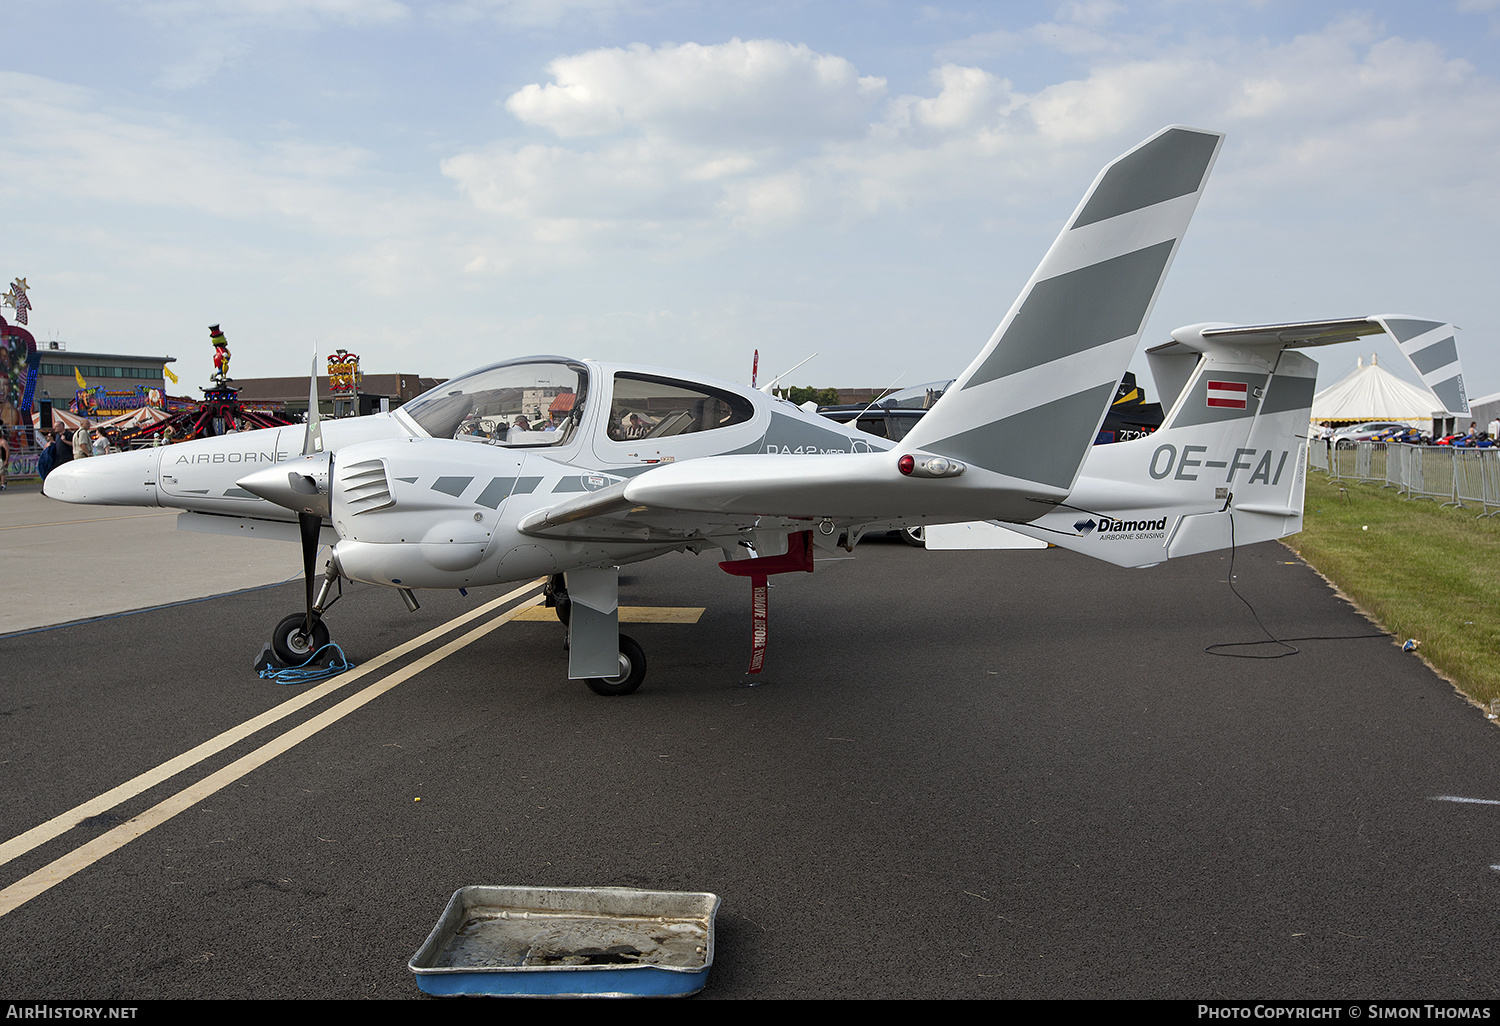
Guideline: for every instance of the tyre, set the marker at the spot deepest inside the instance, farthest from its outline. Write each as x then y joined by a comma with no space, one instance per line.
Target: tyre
915,536
632,671
291,642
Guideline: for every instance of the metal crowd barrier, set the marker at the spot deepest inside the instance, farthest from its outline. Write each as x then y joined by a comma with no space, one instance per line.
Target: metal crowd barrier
1451,476
1317,454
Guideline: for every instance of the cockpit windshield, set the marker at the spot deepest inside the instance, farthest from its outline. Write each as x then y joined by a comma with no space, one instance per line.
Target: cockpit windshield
517,404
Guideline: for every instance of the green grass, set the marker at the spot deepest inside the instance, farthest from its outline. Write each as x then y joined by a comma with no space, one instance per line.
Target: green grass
1420,570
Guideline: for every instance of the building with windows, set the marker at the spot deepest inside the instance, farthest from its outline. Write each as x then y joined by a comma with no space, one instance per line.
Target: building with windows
291,393
57,378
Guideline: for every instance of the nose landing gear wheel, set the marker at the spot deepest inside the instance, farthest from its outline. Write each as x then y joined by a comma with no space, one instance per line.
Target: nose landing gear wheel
632,671
291,642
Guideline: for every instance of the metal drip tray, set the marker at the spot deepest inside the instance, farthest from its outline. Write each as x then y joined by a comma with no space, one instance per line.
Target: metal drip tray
569,942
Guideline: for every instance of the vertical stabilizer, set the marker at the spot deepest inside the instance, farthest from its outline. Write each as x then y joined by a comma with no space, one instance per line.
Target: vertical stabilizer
1030,404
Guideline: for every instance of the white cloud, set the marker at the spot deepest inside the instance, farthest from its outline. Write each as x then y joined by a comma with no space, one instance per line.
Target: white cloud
764,135
671,136
761,90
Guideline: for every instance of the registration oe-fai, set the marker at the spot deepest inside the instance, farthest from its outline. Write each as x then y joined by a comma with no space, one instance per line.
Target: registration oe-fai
568,469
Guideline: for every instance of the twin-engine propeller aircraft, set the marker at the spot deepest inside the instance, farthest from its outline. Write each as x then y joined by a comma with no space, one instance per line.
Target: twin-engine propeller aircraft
565,468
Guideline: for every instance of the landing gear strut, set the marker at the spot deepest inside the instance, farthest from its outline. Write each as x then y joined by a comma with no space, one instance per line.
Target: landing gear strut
556,592
291,642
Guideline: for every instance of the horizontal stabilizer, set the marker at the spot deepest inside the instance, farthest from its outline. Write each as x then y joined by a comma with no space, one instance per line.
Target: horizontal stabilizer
1429,346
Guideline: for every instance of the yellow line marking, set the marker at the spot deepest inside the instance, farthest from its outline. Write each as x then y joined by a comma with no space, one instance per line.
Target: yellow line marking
93,520
49,876
629,614
38,835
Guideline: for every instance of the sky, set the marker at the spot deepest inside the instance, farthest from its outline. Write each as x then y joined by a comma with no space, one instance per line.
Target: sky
441,185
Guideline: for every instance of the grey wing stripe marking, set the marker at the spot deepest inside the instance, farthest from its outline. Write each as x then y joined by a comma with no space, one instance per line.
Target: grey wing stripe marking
453,486
1439,354
501,488
496,492
1001,445
1405,329
1077,311
1169,166
1287,393
1451,392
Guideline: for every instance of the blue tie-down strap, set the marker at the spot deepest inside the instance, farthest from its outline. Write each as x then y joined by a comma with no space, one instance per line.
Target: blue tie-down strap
308,671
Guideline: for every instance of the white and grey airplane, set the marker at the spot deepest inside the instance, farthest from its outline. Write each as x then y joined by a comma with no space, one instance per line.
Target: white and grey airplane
565,468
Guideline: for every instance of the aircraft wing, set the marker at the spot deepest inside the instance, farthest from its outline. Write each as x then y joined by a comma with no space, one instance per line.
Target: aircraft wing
722,495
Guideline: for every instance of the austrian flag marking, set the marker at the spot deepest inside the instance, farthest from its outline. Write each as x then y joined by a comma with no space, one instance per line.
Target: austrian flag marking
1228,394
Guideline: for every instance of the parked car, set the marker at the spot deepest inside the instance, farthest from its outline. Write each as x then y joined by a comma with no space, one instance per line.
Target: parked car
1345,438
891,416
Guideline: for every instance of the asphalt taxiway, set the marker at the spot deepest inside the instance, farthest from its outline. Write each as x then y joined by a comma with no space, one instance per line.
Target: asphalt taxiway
996,774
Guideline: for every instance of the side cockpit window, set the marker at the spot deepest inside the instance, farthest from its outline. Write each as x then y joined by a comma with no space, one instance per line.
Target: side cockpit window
524,404
648,407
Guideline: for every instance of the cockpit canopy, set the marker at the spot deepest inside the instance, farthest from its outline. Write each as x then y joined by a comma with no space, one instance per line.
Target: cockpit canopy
525,403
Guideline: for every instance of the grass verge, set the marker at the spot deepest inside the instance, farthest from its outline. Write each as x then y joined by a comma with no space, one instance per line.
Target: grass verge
1422,570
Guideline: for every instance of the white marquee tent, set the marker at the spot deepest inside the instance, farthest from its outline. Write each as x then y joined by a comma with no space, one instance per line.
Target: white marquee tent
1370,392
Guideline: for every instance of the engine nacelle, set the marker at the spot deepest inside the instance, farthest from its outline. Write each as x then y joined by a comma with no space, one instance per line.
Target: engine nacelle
419,512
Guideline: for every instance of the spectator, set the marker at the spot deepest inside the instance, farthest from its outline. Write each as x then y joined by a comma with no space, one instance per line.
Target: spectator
57,452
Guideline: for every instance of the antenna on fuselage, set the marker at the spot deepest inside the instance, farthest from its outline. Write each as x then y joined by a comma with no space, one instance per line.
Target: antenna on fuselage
769,385
882,394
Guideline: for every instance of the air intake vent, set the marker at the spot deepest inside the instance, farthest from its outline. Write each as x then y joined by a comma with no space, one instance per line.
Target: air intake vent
365,486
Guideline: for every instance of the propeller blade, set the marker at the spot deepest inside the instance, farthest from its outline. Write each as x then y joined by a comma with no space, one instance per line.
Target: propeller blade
312,439
310,526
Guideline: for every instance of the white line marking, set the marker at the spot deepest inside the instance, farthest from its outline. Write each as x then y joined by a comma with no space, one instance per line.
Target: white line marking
38,835
1466,801
49,876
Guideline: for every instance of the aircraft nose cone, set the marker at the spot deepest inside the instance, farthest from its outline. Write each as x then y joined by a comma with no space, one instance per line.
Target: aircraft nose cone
118,479
300,484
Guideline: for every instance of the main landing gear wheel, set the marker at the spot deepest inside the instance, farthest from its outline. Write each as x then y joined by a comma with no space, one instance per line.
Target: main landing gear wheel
290,640
632,671
915,536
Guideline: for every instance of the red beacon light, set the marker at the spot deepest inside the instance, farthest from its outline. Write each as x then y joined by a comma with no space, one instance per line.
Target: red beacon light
905,464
